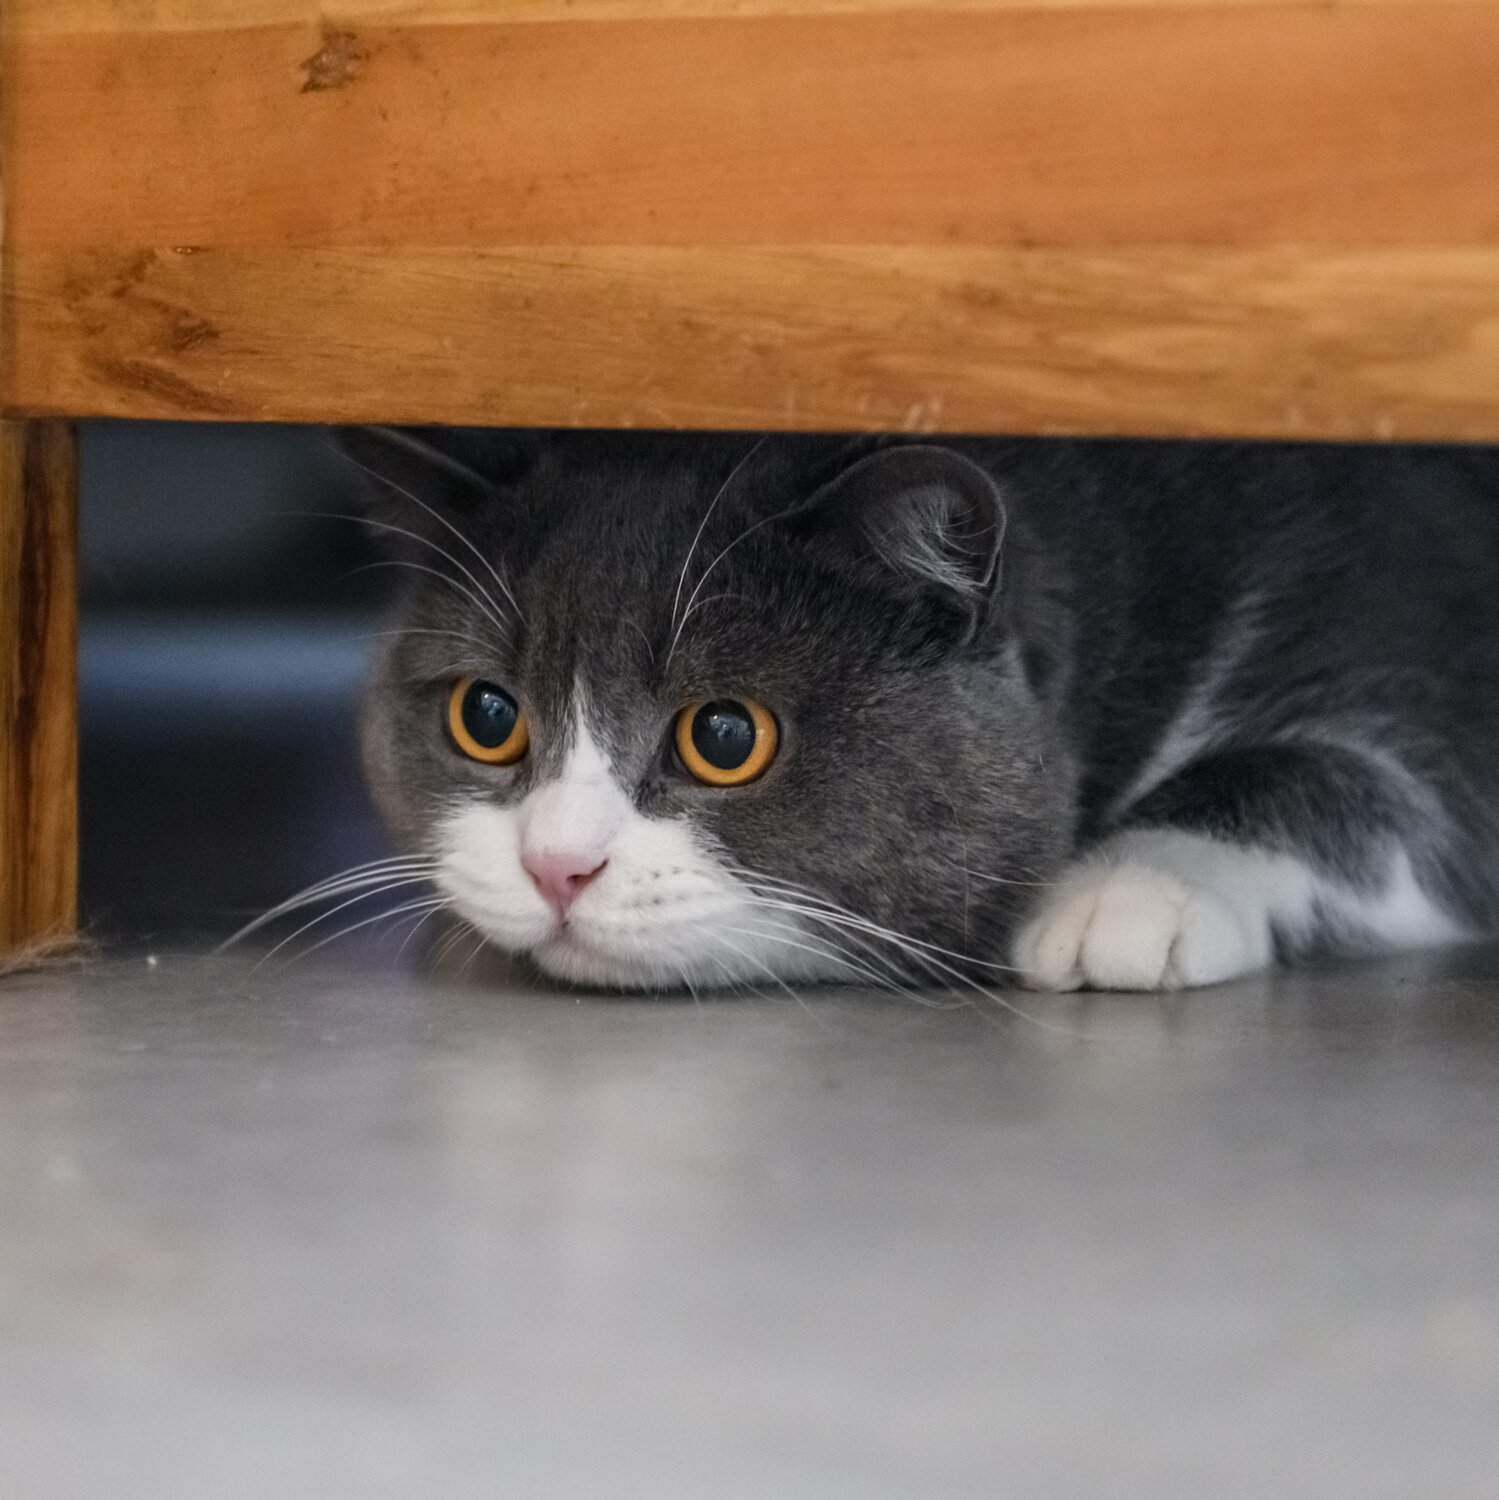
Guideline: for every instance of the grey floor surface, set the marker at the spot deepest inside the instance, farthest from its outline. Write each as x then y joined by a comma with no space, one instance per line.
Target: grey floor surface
330,1231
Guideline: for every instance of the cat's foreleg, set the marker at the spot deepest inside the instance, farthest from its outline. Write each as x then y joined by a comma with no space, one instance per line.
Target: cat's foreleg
1240,859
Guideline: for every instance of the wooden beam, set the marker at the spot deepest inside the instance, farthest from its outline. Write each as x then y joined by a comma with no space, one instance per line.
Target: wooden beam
1389,344
1276,219
1230,126
34,17
38,687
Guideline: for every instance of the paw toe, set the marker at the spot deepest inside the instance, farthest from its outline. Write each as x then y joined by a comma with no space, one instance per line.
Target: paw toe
1133,928
1047,953
1212,944
1135,922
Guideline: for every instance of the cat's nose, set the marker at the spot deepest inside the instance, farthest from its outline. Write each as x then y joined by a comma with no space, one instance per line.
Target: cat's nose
561,877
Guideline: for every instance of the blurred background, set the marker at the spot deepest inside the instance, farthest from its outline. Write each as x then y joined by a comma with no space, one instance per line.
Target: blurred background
228,606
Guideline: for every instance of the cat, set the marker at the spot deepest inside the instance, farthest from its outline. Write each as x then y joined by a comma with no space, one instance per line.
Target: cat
681,710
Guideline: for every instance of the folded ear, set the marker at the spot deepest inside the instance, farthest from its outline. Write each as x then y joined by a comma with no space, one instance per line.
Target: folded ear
920,518
422,481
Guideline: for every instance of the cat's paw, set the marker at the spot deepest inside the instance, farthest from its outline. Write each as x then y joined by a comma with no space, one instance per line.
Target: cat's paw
1129,927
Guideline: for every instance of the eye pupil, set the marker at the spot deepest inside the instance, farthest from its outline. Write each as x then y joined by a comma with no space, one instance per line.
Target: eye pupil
489,714
726,741
486,724
723,733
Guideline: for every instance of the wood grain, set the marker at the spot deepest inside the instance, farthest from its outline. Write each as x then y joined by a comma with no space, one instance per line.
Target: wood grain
33,17
38,685
1215,125
1205,217
1392,344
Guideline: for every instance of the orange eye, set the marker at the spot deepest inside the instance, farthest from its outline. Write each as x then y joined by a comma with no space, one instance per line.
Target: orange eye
486,722
727,741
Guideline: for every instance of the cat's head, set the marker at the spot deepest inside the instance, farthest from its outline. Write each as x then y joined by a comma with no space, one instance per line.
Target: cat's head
708,710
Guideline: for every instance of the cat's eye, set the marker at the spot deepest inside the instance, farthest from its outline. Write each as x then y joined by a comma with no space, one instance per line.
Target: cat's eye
486,723
726,741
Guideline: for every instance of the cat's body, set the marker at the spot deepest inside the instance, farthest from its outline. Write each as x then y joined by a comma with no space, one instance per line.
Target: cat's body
1071,713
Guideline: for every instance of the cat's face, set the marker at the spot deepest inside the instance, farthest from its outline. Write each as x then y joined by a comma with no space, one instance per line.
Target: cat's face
701,711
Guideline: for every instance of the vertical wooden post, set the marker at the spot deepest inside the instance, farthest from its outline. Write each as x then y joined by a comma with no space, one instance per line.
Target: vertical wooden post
38,687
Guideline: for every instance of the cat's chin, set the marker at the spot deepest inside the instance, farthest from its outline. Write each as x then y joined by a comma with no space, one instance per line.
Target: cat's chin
571,957
563,957
642,961
567,957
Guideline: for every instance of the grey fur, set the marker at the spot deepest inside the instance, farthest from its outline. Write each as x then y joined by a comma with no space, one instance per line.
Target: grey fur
978,651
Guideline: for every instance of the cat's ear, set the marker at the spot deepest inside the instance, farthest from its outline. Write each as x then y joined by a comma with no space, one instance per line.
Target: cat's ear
919,517
420,481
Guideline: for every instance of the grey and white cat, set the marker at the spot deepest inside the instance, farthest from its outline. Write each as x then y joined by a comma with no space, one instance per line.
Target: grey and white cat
670,710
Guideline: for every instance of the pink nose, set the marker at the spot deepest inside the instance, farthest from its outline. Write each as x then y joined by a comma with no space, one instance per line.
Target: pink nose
561,877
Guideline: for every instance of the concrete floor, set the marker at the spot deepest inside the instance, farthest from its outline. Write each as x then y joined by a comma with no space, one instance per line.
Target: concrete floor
328,1231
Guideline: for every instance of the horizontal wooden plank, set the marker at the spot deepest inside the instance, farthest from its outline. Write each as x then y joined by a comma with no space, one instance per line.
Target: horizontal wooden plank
33,17
1215,125
1204,217
1393,344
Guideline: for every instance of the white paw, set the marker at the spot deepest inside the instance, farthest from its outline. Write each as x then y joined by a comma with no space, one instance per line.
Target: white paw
1129,927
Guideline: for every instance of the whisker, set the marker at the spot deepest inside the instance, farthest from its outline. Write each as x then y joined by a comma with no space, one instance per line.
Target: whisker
462,928
802,899
442,520
877,929
851,967
955,978
723,489
692,609
434,903
650,649
487,610
770,973
886,972
1034,885
916,950
422,541
832,952
365,895
747,532
361,872
480,942
416,928
372,873
886,977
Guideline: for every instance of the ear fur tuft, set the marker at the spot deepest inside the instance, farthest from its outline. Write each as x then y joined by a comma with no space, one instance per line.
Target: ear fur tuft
919,516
